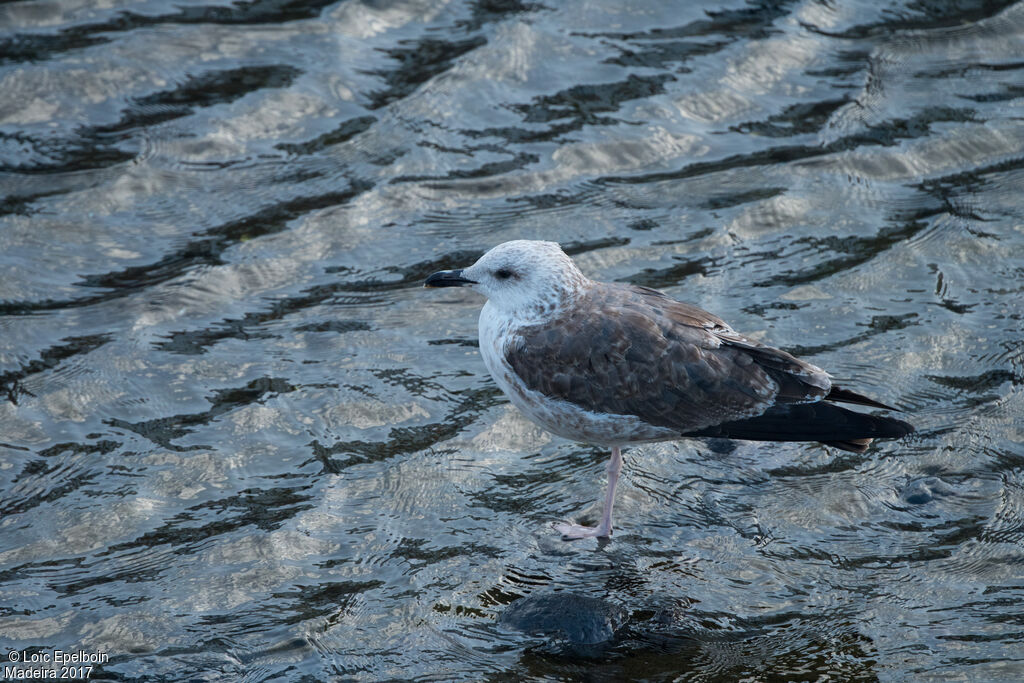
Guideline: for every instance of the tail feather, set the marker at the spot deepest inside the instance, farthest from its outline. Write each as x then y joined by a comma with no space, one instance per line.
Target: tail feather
853,445
840,395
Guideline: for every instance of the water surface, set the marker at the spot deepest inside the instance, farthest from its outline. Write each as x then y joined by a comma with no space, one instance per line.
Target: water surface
238,440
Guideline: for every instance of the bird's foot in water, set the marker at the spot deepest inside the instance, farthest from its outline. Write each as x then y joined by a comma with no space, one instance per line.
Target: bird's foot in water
572,532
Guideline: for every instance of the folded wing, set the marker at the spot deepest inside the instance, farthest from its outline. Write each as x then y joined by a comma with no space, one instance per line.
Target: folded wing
633,351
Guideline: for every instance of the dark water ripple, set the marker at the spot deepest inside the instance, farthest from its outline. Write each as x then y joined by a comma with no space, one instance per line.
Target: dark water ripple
239,442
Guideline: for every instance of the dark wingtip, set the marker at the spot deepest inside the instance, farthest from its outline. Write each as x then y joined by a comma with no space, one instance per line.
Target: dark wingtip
904,428
889,427
883,428
825,422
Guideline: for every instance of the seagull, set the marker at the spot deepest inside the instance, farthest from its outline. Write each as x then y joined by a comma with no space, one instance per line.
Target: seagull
615,364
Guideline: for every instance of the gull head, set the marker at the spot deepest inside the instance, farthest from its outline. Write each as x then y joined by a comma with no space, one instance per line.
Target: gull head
524,278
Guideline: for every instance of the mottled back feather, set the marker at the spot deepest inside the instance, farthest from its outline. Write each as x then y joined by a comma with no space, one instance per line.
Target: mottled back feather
631,350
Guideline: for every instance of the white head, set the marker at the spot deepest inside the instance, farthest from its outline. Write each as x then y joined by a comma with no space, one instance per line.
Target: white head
525,278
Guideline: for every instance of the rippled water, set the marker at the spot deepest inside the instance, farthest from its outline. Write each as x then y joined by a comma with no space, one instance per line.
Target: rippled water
239,441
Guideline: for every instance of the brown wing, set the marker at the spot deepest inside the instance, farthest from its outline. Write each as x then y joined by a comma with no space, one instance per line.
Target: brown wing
634,351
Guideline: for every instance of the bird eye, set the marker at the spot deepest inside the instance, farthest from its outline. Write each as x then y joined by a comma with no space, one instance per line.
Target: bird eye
503,274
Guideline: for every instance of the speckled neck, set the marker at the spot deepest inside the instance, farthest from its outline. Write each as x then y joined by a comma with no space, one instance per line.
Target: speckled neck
564,287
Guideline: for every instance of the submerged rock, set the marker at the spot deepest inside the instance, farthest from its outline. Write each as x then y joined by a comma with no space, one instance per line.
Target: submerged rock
577,619
925,490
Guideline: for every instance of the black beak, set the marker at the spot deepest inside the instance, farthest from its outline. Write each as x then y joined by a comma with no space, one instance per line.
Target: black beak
447,278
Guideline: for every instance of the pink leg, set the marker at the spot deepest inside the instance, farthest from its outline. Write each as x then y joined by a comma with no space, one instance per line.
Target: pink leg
604,529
